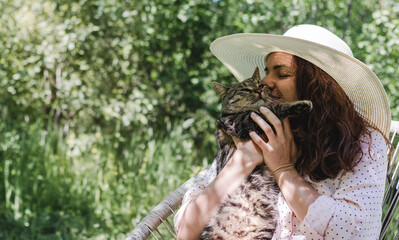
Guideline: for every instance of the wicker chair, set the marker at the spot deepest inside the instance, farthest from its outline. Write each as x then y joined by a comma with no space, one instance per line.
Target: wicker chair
159,222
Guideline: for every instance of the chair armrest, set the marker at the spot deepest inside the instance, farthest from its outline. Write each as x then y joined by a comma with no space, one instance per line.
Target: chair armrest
162,211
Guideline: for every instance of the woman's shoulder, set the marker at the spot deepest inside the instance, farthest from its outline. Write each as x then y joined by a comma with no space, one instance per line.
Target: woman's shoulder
373,137
374,145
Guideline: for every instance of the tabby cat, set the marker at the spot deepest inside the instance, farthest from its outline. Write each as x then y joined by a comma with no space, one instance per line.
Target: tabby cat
250,212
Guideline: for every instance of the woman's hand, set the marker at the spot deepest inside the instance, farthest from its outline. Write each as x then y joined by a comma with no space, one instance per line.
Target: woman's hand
248,152
280,152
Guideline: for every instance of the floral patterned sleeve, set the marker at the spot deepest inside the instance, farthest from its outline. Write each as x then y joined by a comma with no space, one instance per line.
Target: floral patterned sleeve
201,182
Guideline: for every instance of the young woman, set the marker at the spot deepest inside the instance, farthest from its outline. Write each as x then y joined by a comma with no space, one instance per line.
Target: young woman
332,187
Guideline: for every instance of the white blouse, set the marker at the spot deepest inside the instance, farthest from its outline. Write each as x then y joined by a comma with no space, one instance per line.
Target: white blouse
350,206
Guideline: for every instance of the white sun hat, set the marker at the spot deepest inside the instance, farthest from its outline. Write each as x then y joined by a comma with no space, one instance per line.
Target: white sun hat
241,53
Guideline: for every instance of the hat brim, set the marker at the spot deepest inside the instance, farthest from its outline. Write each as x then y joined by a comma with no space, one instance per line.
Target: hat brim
241,53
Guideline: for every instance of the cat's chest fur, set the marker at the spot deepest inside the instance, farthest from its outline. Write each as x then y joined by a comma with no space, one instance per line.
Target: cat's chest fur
250,212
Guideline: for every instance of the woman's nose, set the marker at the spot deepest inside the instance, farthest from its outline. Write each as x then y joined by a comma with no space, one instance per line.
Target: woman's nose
268,81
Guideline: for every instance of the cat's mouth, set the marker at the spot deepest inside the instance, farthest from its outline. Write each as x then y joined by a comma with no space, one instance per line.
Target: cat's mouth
261,103
254,106
251,107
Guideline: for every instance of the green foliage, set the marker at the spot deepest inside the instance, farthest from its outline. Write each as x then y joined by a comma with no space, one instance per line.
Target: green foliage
379,42
67,187
107,105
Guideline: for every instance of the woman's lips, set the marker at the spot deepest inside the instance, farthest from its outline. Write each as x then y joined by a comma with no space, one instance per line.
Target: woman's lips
275,94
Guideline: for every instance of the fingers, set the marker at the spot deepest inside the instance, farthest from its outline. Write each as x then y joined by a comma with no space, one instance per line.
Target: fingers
259,141
267,129
275,121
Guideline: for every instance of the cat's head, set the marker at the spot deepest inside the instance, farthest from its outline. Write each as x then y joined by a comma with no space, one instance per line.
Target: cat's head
248,95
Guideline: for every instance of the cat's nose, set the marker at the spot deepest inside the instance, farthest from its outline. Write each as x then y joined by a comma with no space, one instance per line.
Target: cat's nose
258,90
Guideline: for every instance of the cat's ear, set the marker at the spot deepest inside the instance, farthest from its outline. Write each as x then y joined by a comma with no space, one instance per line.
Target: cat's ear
256,75
221,89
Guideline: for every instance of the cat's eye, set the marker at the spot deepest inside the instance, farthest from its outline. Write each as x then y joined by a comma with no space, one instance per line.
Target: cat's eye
261,86
246,90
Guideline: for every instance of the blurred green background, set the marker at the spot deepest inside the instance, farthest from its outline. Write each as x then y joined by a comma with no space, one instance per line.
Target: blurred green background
107,105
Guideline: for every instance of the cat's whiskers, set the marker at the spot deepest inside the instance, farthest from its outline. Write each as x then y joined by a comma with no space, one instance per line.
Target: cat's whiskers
254,103
244,108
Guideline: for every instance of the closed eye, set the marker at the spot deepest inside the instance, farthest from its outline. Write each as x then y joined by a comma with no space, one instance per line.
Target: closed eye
283,76
245,90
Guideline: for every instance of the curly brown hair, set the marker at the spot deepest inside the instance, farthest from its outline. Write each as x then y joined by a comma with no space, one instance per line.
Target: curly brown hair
332,130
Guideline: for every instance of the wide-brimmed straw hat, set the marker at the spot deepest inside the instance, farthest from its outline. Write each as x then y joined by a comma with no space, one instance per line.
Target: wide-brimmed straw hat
241,53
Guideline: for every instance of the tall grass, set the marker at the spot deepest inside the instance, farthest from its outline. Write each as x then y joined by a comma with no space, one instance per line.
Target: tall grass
57,184
62,185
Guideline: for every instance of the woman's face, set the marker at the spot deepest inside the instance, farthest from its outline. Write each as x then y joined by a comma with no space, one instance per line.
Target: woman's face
280,77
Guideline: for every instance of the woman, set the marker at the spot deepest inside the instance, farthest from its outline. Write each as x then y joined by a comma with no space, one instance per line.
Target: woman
332,187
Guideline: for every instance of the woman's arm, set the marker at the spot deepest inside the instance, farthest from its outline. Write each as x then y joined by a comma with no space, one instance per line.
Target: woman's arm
354,208
200,209
297,192
201,181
